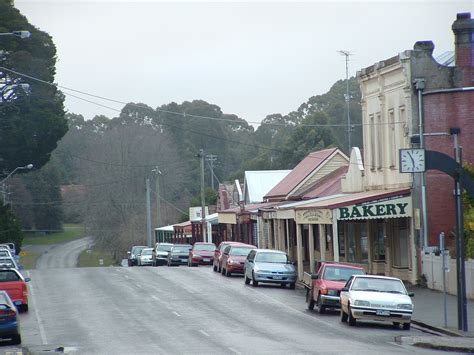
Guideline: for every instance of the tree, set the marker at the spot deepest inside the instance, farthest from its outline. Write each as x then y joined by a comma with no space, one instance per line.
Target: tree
31,124
10,230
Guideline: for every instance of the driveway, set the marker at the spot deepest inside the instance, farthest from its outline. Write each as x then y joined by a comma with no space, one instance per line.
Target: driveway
63,255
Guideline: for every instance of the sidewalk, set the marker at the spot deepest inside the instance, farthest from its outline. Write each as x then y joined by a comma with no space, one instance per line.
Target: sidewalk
429,312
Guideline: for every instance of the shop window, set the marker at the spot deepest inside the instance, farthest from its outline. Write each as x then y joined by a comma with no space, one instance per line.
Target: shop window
317,245
357,249
364,243
380,141
400,244
340,235
379,242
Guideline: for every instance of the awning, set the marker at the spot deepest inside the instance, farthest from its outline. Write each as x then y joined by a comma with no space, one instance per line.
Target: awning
165,228
395,203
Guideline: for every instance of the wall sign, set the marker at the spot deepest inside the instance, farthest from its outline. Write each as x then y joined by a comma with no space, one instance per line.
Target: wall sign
313,216
387,208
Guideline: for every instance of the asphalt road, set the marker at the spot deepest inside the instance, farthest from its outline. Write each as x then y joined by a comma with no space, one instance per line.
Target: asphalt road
181,310
63,255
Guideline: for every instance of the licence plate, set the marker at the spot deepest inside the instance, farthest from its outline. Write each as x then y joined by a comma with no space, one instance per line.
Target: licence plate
277,277
184,261
382,312
206,260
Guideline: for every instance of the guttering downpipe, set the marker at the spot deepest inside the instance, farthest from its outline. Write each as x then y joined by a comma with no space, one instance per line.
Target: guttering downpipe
419,87
440,91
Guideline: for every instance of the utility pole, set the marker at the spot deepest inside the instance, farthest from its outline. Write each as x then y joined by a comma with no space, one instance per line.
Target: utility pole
158,201
148,213
349,128
203,202
211,159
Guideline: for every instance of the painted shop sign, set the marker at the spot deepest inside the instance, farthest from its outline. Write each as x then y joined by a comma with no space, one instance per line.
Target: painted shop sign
313,216
388,208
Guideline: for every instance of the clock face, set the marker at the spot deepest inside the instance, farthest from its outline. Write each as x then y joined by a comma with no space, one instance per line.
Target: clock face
412,160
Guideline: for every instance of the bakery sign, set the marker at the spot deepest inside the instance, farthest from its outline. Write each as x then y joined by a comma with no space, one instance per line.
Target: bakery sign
313,216
386,208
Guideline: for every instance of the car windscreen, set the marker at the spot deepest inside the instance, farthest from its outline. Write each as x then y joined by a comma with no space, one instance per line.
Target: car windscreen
334,273
206,247
136,251
240,251
378,285
180,249
164,247
271,258
147,251
8,275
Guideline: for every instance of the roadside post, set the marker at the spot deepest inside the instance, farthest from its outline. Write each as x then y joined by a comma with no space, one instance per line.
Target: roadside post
442,247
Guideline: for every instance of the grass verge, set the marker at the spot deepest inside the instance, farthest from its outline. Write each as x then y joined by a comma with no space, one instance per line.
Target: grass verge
71,232
29,260
92,257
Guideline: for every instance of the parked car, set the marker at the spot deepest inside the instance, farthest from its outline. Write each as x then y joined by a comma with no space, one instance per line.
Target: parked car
160,253
6,253
324,287
217,260
144,258
201,254
179,254
6,262
270,266
233,259
378,298
9,319
133,254
14,284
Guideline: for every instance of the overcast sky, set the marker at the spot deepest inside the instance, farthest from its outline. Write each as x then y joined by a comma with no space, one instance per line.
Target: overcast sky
250,58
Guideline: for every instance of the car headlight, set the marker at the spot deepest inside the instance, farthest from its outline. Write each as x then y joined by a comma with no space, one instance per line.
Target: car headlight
405,306
233,261
362,303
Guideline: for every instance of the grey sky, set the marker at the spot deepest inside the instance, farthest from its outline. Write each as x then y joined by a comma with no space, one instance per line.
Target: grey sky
250,58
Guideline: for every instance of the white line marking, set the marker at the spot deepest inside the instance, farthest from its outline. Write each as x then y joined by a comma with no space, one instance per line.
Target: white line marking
204,333
234,351
44,340
177,314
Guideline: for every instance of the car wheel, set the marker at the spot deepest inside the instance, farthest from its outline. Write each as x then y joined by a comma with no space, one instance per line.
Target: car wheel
352,320
321,308
247,280
223,271
292,285
227,273
254,282
16,339
310,300
406,326
343,316
24,308
214,267
396,324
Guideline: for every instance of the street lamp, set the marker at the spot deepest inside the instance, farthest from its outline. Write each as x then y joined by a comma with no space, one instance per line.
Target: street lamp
19,34
26,167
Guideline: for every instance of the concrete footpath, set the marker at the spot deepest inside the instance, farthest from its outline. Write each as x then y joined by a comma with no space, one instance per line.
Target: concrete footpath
429,313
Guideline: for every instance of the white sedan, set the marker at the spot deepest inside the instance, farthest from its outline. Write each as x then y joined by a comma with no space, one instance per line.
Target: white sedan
378,298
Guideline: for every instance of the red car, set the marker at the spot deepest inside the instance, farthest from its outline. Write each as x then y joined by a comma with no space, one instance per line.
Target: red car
233,258
217,262
326,285
14,284
201,254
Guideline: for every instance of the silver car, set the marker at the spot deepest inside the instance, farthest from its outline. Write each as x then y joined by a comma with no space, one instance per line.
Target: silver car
145,257
378,298
269,266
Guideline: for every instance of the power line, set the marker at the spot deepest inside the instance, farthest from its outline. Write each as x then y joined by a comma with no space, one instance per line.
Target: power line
183,114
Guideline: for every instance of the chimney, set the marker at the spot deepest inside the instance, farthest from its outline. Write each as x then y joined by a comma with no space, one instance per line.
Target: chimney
463,29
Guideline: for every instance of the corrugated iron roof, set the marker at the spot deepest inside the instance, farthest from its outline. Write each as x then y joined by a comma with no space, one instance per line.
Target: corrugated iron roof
446,58
328,185
355,198
311,162
258,183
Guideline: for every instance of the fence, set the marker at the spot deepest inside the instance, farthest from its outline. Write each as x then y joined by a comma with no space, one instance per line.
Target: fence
432,269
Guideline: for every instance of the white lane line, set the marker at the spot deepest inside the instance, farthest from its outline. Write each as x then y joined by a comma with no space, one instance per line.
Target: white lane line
176,314
234,351
204,333
44,340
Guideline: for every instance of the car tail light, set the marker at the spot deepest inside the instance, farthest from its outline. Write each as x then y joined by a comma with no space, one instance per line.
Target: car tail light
7,313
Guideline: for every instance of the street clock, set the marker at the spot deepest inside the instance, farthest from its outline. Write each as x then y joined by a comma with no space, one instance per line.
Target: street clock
412,160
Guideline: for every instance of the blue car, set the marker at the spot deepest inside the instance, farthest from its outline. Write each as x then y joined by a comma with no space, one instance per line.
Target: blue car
269,266
9,319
